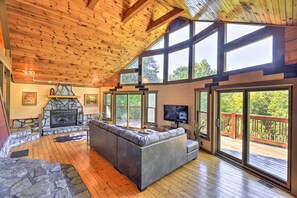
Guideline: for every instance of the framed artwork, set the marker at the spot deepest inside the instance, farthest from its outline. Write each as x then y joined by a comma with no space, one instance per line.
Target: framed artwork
91,99
29,98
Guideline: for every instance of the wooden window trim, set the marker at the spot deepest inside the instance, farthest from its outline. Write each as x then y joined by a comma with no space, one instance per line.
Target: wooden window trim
104,106
146,107
197,107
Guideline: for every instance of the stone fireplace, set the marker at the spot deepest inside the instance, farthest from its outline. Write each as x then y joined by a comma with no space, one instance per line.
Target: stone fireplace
60,118
62,113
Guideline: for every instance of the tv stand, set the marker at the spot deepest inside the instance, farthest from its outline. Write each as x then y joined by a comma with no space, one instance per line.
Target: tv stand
176,124
168,127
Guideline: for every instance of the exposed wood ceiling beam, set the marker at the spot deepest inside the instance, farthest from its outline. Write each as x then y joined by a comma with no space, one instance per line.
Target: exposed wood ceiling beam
173,14
5,56
92,3
135,9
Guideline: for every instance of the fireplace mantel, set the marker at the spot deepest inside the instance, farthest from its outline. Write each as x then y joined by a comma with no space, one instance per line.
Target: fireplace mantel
62,97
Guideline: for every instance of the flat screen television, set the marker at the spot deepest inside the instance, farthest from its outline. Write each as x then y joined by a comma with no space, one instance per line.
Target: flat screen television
176,113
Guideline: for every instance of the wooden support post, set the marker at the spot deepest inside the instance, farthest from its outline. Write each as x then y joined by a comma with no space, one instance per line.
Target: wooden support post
5,54
135,9
7,99
92,3
2,77
233,125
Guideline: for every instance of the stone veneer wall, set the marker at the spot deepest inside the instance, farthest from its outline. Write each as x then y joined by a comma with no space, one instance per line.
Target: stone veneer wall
6,147
89,117
23,123
33,122
64,104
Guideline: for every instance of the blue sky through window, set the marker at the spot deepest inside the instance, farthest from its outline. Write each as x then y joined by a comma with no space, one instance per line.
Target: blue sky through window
207,49
253,54
235,31
199,26
179,35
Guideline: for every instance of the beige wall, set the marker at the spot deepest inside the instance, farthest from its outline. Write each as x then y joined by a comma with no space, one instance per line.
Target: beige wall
18,111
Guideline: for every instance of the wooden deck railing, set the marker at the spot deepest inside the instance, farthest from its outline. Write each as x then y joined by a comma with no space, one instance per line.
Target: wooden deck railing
264,129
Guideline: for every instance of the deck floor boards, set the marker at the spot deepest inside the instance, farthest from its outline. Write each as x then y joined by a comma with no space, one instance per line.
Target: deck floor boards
207,176
272,159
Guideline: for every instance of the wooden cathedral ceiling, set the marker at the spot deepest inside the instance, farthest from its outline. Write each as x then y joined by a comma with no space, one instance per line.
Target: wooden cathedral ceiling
78,40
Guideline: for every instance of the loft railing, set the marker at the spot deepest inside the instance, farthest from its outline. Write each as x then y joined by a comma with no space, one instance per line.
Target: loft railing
263,129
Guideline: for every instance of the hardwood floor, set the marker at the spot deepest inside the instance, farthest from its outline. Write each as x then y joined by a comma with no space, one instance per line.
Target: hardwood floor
207,176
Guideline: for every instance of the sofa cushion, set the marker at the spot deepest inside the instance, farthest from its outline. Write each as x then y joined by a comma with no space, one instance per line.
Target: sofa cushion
95,122
191,145
147,139
131,136
114,129
176,132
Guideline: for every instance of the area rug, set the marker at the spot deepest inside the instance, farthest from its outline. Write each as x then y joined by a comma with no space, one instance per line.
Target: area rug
71,137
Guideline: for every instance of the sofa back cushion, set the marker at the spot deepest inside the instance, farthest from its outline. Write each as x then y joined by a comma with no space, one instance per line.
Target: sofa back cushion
136,137
108,127
147,139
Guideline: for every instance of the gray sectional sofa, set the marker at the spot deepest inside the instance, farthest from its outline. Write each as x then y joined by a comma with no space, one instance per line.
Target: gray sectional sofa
143,158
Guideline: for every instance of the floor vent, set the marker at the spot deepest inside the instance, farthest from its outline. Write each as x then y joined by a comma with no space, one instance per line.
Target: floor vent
265,183
22,153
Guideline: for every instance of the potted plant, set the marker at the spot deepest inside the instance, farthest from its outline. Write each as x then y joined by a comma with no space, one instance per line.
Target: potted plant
197,127
99,117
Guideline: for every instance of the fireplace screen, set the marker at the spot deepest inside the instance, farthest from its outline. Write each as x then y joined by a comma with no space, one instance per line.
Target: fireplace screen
60,118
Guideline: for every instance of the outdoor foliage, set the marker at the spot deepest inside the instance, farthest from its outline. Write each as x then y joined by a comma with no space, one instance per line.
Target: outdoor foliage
150,70
267,103
134,103
179,74
201,69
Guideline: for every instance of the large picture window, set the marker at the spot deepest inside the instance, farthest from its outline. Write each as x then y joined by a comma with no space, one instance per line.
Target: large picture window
206,52
235,31
158,45
133,64
193,50
178,65
129,78
152,69
254,54
200,26
179,35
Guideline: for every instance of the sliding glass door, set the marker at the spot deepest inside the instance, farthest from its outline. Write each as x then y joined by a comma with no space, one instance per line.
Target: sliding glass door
254,129
230,126
268,132
128,110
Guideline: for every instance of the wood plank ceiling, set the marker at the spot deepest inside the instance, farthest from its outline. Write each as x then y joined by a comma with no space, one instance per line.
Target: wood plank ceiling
86,42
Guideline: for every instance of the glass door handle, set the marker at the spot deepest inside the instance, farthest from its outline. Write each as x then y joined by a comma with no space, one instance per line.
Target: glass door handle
218,123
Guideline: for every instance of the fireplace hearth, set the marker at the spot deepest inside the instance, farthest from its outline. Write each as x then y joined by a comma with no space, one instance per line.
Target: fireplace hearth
60,118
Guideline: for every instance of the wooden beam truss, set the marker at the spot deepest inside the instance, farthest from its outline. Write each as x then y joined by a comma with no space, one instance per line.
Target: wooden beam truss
173,14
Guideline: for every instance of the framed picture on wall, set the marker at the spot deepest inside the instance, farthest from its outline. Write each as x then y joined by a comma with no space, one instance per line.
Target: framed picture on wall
91,99
29,98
